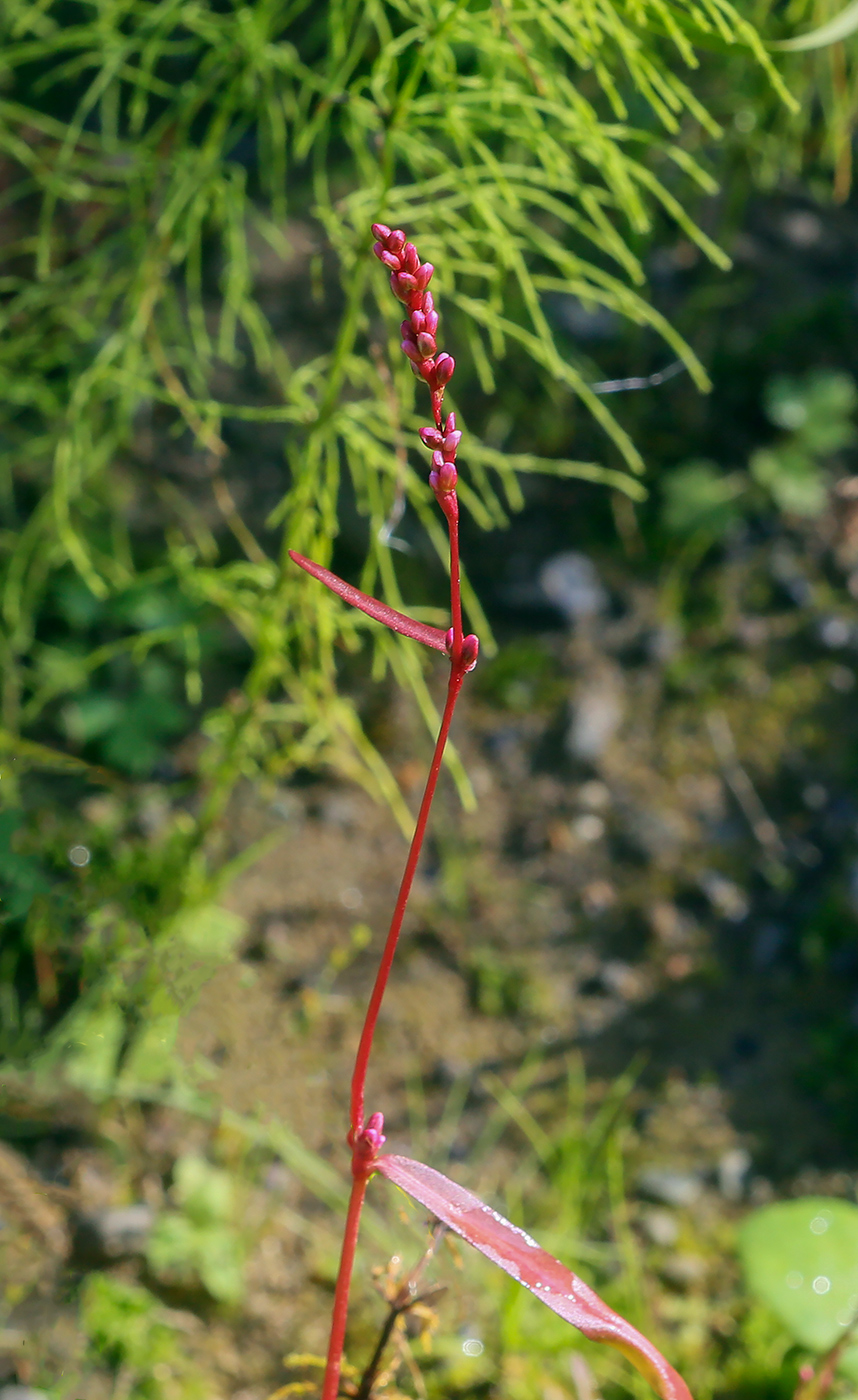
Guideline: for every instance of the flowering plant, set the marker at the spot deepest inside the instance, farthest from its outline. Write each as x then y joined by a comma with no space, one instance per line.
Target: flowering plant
456,1208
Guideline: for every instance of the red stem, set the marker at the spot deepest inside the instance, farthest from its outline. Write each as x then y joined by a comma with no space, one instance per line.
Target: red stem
452,513
457,675
361,1169
331,1384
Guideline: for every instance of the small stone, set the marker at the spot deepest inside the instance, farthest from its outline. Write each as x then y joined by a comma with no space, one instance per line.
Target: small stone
571,583
117,1233
596,717
594,795
733,1169
674,1188
684,1269
661,1226
725,896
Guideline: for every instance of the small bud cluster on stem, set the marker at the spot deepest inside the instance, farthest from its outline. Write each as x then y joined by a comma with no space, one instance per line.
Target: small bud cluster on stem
409,281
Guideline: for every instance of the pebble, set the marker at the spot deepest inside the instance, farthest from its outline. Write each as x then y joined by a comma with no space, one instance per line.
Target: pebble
661,1226
116,1233
572,584
733,1169
674,1188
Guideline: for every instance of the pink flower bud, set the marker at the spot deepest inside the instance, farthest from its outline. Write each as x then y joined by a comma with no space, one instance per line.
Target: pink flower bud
427,343
431,318
448,640
443,479
399,285
406,281
430,437
410,258
378,249
450,426
418,322
390,260
444,367
470,651
381,232
412,352
396,240
369,1140
428,303
423,274
451,442
437,460
374,1130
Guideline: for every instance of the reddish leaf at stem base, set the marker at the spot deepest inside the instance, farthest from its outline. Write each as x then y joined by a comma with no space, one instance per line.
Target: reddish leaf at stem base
396,621
505,1244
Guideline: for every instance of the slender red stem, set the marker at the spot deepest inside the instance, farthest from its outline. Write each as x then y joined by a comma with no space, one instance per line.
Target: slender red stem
452,514
361,1170
331,1384
457,675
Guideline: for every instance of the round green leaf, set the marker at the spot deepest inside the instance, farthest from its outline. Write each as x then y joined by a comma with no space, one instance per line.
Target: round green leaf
801,1258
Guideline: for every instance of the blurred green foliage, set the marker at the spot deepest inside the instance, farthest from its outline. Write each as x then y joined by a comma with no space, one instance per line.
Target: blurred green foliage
200,1238
801,1259
125,1325
792,475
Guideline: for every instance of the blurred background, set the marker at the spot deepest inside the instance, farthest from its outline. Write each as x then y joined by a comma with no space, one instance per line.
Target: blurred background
626,1006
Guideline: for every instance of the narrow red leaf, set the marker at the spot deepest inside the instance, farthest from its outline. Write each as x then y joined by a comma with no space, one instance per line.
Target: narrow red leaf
561,1290
396,621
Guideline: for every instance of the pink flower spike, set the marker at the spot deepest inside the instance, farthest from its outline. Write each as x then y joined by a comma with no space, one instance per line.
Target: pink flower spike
444,367
396,621
515,1252
381,232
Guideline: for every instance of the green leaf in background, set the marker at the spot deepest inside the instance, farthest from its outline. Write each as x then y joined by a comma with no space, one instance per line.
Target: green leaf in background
801,1258
699,496
199,1240
792,478
817,408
